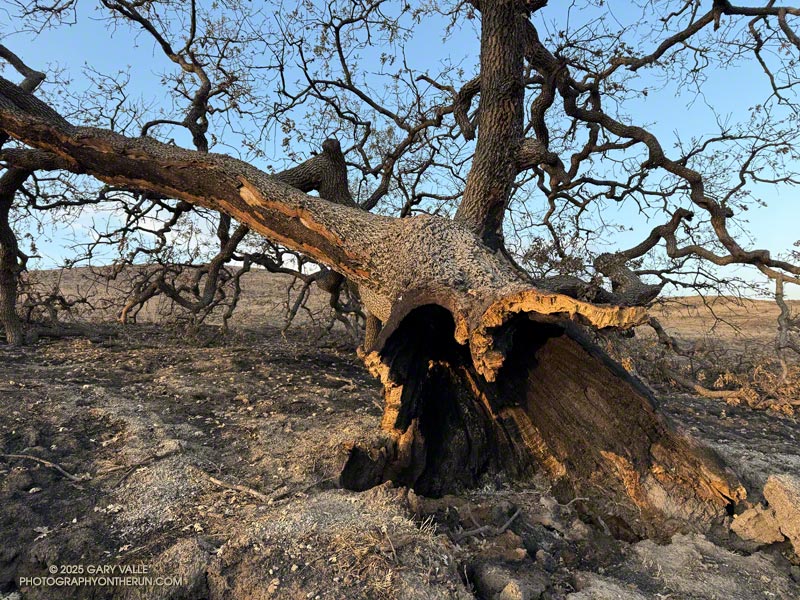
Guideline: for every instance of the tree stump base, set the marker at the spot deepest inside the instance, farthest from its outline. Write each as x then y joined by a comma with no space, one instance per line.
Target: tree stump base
557,404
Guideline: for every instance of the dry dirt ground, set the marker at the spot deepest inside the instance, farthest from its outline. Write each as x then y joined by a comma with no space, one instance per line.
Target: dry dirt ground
203,466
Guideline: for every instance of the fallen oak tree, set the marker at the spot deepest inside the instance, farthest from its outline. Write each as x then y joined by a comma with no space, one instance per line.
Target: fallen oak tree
481,370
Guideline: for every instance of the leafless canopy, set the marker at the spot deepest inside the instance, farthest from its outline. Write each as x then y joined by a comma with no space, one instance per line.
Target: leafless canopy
453,197
559,151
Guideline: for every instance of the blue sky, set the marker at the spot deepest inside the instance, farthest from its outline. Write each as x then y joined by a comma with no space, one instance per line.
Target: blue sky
91,43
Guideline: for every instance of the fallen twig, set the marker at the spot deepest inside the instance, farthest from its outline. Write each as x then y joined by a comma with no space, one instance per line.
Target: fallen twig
391,545
283,495
508,523
573,501
697,388
239,488
487,529
47,463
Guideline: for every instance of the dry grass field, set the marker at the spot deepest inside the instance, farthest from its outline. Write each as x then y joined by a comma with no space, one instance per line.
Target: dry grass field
213,461
265,295
722,319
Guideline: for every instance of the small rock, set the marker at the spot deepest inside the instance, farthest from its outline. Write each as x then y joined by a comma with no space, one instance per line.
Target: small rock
273,586
501,581
578,530
758,525
512,592
546,560
783,494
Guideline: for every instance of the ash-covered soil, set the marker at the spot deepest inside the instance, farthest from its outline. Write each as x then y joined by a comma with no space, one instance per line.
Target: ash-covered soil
217,467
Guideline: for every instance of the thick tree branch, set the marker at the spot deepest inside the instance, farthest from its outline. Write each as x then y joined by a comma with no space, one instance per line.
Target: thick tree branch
326,173
361,246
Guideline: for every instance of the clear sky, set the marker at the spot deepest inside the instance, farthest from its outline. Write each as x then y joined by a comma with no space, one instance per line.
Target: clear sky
91,43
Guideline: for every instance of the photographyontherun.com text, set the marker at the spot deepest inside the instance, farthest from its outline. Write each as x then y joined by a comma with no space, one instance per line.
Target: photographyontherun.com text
101,576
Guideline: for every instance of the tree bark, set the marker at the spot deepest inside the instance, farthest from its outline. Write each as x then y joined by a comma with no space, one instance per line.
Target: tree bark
557,404
499,122
10,182
10,267
481,371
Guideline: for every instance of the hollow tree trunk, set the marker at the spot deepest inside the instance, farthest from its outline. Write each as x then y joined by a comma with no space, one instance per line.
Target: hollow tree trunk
481,371
544,398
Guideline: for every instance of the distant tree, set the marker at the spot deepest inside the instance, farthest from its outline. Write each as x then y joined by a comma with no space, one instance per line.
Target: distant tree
12,259
469,317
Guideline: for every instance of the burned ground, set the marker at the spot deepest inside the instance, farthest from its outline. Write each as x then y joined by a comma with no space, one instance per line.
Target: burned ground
217,459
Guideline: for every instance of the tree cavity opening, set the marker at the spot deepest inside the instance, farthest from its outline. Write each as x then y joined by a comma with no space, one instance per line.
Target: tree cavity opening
445,435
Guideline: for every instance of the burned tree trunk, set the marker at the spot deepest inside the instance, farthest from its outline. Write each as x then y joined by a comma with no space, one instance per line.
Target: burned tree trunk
481,371
545,398
10,182
10,267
